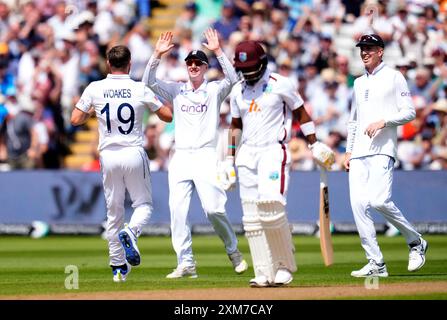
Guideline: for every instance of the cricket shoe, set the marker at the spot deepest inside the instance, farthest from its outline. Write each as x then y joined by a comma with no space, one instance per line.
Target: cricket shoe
259,282
239,263
129,241
371,269
183,271
120,273
283,277
417,255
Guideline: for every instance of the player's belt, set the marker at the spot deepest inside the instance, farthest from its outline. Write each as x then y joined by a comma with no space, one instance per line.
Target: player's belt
261,145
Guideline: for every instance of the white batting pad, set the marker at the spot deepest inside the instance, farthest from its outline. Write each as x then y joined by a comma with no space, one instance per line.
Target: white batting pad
279,237
257,241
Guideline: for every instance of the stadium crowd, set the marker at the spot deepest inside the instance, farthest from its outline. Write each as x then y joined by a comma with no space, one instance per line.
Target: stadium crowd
51,49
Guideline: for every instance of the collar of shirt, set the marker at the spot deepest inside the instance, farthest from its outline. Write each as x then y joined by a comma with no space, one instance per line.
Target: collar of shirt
377,69
189,87
118,76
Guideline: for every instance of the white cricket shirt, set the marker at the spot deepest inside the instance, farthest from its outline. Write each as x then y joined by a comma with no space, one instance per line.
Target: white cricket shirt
196,112
265,109
119,104
382,94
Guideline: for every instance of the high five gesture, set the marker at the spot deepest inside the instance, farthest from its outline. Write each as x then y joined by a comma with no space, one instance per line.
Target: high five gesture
164,44
212,37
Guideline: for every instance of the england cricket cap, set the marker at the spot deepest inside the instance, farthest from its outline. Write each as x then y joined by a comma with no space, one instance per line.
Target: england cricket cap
197,55
248,54
370,40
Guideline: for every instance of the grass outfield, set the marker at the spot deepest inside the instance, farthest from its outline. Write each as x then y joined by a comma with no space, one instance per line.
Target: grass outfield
37,266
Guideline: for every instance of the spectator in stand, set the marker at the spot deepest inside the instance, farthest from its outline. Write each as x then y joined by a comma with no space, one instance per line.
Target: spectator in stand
343,73
292,48
422,84
326,55
156,154
278,29
285,69
334,141
403,65
328,109
297,9
431,16
301,155
259,20
412,43
330,11
191,20
313,81
352,9
228,22
138,41
89,63
5,22
373,21
61,21
399,21
22,138
171,69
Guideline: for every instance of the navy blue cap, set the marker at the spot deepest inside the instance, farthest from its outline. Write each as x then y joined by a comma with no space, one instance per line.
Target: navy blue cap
370,40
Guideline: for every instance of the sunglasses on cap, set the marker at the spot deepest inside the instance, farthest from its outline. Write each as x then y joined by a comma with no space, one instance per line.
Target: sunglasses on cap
198,63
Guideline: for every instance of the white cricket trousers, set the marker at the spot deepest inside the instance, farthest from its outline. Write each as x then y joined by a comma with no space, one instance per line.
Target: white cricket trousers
189,170
125,168
370,184
264,172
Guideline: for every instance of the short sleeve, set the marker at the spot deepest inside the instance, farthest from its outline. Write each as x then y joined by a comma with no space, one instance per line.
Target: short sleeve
86,100
289,93
151,100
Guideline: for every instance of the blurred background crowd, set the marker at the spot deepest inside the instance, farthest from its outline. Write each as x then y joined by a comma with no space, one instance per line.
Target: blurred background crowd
50,50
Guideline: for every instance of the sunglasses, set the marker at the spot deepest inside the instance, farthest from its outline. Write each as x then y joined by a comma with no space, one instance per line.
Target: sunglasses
198,63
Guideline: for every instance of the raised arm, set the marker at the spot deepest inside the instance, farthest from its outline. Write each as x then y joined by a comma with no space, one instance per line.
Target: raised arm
231,78
163,89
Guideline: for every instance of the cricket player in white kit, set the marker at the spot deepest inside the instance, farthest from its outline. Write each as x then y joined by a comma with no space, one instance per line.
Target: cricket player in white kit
119,104
381,102
196,107
262,107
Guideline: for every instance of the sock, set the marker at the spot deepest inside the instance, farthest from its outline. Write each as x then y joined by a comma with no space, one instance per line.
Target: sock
415,243
122,267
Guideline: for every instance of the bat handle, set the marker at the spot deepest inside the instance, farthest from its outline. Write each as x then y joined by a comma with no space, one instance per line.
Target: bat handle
323,177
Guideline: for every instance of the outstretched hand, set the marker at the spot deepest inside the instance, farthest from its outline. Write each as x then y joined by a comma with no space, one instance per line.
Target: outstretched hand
212,37
164,43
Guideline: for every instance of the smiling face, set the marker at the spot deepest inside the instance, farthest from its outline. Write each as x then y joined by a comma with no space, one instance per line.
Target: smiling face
196,70
371,56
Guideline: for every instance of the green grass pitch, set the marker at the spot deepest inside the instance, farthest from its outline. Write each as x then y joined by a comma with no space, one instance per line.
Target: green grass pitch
37,266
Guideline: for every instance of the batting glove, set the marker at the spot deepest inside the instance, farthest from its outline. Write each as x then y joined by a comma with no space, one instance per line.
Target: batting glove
227,174
323,155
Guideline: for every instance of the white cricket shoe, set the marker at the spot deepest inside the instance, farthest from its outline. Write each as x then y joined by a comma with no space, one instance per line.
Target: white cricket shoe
183,271
239,263
128,240
283,277
371,269
417,256
120,273
259,282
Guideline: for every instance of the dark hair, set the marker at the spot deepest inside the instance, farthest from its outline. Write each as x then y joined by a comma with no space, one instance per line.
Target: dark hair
119,57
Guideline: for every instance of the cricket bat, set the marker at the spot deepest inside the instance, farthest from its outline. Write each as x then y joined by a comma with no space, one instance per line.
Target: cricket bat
325,230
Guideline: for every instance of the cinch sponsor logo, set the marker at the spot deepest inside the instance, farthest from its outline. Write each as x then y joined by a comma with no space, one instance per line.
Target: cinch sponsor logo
405,94
194,109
